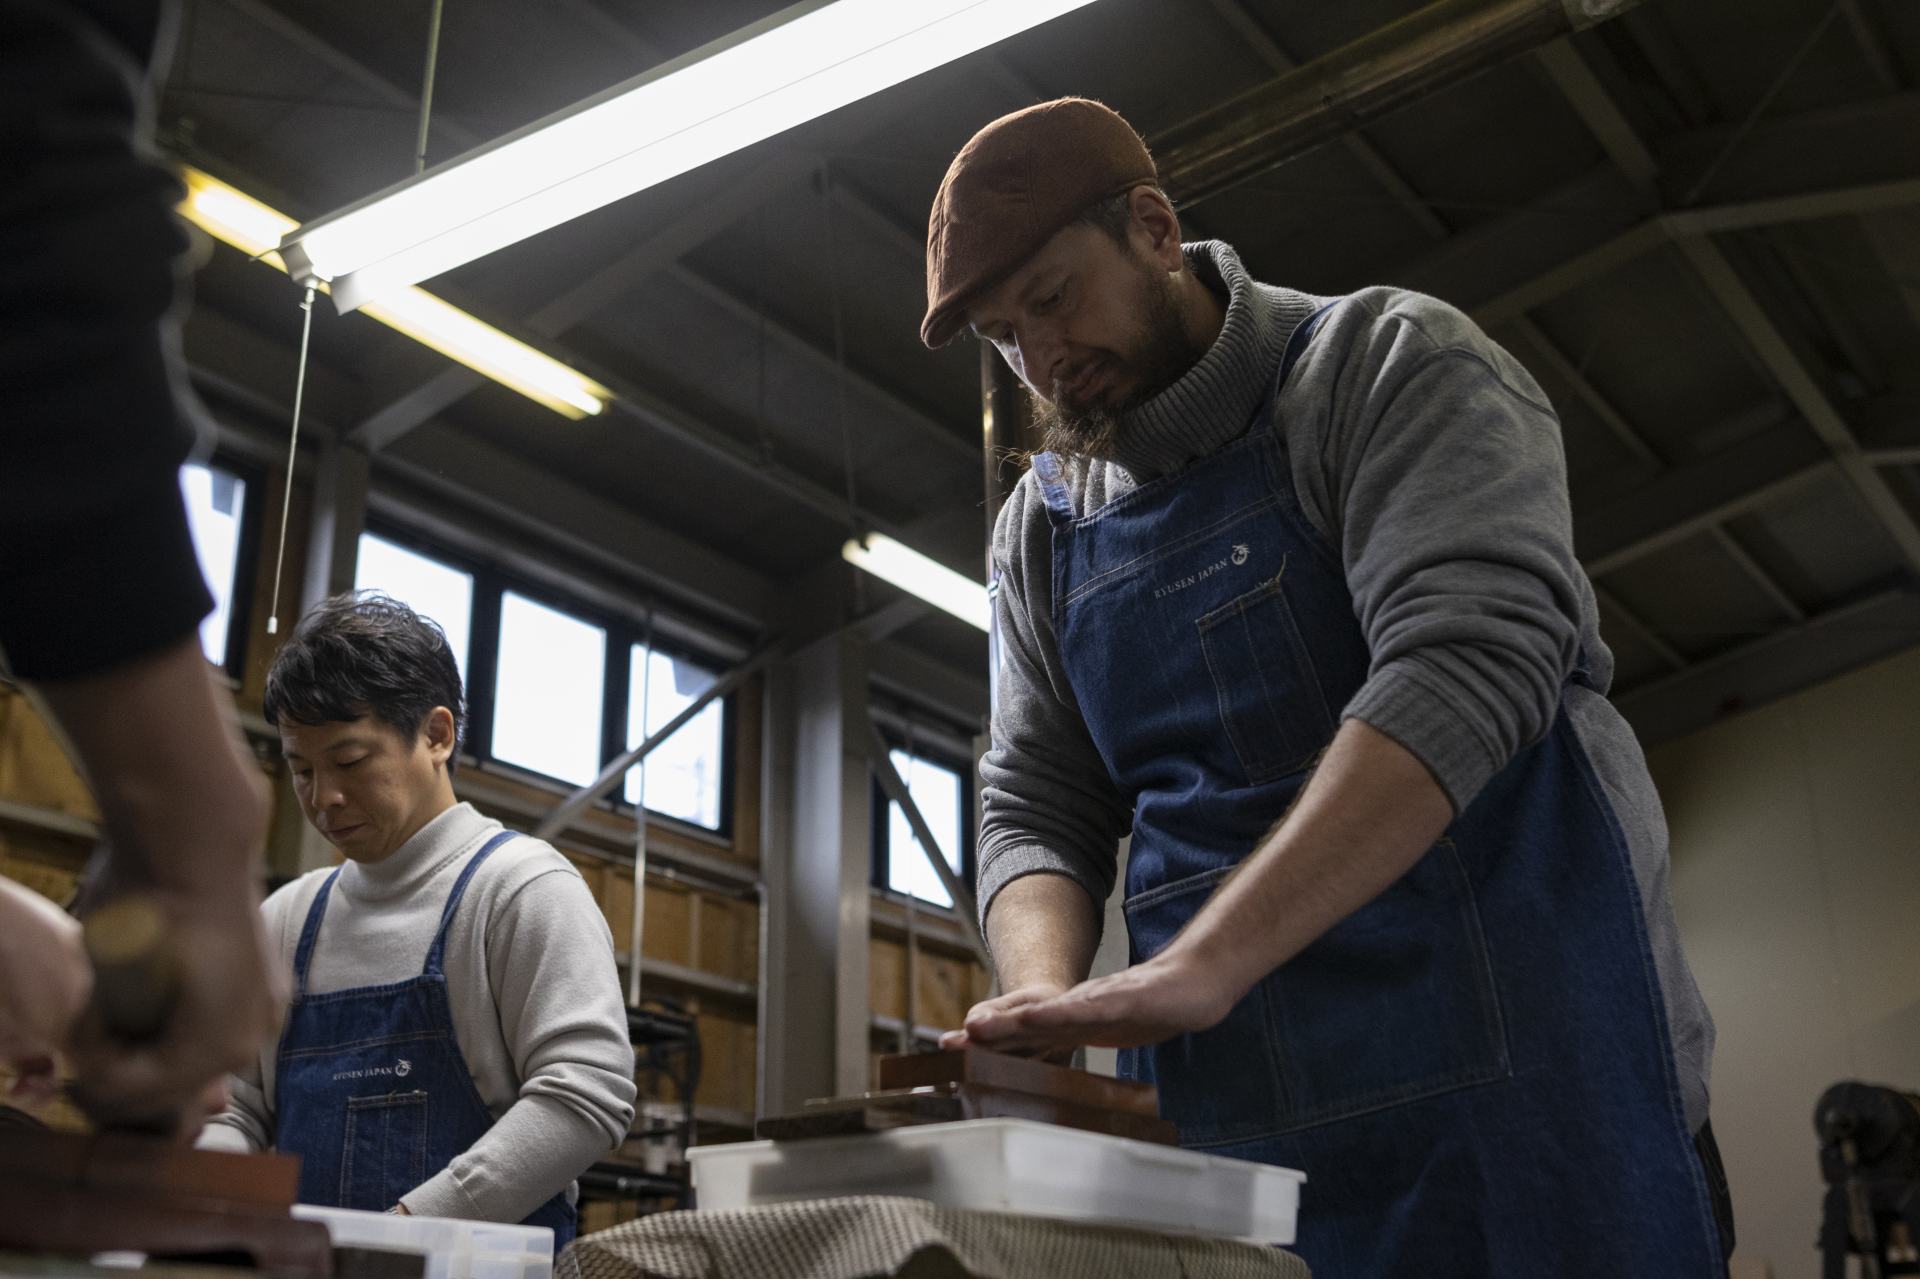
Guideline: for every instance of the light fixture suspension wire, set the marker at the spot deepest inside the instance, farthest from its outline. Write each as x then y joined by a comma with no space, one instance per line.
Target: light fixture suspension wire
840,346
910,1006
426,87
640,817
765,439
293,456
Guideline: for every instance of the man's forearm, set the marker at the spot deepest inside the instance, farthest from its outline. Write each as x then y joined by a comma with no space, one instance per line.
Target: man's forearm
183,803
1043,930
1370,812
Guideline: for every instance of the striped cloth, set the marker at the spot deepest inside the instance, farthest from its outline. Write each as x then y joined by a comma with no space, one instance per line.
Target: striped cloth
874,1237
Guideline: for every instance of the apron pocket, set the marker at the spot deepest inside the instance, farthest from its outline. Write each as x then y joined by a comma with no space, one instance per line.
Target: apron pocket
1211,1081
1264,683
1395,1003
385,1153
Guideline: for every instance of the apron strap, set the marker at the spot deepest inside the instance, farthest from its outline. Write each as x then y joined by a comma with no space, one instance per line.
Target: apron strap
1053,487
303,953
1298,339
437,952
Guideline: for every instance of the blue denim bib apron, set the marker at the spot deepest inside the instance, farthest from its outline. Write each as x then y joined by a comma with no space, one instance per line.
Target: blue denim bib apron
1474,1069
372,1092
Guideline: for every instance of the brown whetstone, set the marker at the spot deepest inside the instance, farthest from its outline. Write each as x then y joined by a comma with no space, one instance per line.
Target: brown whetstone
127,1162
46,1217
876,1112
75,1195
1020,1074
869,1112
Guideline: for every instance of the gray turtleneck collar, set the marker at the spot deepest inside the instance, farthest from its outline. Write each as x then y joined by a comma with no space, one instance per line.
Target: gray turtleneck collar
419,859
1215,401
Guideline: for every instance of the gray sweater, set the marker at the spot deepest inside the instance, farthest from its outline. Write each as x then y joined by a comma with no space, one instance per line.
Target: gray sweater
1431,461
538,1011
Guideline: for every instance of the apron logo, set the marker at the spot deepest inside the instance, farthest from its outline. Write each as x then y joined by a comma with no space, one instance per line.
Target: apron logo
400,1069
1240,554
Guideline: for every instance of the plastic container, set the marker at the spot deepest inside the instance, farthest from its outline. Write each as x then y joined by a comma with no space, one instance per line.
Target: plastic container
1014,1165
454,1249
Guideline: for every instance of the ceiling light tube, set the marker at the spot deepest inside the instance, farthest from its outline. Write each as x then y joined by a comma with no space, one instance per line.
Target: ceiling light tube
795,66
917,575
232,216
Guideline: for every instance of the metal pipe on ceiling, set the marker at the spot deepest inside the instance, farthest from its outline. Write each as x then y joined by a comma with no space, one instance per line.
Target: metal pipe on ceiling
1428,50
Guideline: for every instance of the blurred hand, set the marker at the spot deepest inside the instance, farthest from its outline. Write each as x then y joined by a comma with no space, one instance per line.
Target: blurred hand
44,984
227,993
185,810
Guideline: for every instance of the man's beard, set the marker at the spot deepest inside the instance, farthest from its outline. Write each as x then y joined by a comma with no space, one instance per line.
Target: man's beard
1159,355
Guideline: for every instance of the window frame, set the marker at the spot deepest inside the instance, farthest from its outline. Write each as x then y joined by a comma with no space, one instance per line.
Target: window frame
539,594
617,714
246,557
882,828
623,631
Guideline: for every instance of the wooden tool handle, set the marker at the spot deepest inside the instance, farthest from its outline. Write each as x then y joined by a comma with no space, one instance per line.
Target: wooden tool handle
136,974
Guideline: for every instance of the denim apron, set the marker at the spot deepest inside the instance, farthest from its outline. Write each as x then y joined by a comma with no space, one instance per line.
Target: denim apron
373,1093
1474,1069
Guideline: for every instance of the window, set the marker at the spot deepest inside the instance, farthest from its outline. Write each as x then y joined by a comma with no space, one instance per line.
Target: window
427,586
683,774
549,691
216,505
560,688
939,792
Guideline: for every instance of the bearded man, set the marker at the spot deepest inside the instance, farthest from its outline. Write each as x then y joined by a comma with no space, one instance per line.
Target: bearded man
1291,599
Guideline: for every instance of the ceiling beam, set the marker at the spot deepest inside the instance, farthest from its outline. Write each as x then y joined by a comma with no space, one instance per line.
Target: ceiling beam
1610,603
1893,242
1848,144
600,288
1758,575
1871,36
900,410
1598,111
1552,359
1670,67
1797,379
1773,665
1435,47
1692,499
1269,50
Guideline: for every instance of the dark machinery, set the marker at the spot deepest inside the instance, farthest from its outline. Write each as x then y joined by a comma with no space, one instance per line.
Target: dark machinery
1870,1157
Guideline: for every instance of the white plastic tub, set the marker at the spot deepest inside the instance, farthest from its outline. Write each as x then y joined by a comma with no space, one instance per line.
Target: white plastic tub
454,1249
1014,1165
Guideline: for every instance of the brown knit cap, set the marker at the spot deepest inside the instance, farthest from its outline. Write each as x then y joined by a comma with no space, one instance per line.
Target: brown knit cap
1016,183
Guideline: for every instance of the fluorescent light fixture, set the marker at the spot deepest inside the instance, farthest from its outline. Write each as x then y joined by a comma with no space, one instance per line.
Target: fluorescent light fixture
799,64
917,575
255,229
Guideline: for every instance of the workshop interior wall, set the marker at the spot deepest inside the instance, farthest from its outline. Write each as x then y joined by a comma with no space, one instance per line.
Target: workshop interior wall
1796,877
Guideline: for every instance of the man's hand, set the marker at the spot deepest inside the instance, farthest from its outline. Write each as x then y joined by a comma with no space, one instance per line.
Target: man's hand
227,1000
1147,1004
186,810
991,1013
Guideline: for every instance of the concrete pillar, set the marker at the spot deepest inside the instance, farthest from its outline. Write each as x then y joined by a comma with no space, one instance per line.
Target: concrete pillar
815,1029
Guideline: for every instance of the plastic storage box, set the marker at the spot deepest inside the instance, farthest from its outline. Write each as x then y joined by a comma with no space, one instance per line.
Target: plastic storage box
454,1249
1014,1165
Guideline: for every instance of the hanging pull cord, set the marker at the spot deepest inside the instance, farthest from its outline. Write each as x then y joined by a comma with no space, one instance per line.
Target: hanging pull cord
426,89
293,455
